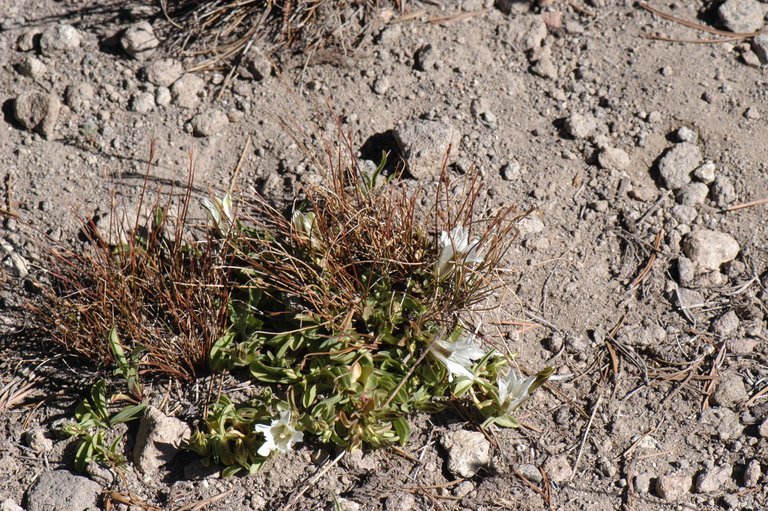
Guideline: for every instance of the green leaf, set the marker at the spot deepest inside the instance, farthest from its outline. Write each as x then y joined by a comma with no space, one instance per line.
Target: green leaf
231,470
309,395
403,430
127,414
99,401
84,453
221,357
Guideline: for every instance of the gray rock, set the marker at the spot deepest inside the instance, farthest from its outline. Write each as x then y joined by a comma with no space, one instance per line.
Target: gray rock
32,67
510,6
643,482
163,72
255,66
37,440
381,85
60,490
59,39
143,102
10,505
684,214
558,468
37,111
158,440
530,472
209,123
511,171
390,34
545,67
760,48
426,58
400,501
692,194
463,489
526,32
752,474
710,249
671,487
676,165
468,451
580,126
731,391
705,172
722,423
139,40
163,96
763,429
726,324
742,15
686,134
424,144
78,96
186,90
723,193
614,159
100,473
711,480
686,270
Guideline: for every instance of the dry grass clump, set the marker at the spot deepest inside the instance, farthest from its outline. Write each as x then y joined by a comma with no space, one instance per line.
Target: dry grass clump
224,29
162,291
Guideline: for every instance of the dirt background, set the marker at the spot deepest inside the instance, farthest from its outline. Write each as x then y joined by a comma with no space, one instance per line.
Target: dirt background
663,408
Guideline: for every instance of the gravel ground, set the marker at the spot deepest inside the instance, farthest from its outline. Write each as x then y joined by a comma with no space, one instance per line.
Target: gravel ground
636,276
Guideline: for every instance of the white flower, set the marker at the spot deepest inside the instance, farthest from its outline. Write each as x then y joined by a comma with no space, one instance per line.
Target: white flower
278,436
513,390
457,356
306,225
219,210
456,249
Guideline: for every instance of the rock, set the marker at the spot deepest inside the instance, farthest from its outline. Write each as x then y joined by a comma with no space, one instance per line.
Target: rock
686,134
255,66
37,111
426,58
37,440
742,346
163,72
59,489
424,145
468,451
692,194
760,47
100,473
726,324
763,429
731,391
209,123
381,85
59,39
158,440
676,165
672,488
526,32
558,469
723,192
710,249
643,482
612,158
705,172
143,102
163,96
187,89
742,15
580,126
752,113
752,474
78,96
713,479
139,40
342,504
530,472
545,68
359,461
511,171
722,423
685,215
32,68
400,501
10,505
510,6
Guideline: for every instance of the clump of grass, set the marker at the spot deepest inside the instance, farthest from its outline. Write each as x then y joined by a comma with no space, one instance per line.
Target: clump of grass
223,30
353,309
161,290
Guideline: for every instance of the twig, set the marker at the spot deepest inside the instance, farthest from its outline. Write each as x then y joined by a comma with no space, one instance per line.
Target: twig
713,374
200,504
651,259
314,480
749,204
586,434
653,207
697,26
444,20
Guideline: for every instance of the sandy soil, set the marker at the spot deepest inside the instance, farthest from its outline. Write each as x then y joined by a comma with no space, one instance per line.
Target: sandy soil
569,107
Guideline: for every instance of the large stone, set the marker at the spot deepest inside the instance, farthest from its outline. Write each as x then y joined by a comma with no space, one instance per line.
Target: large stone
59,39
526,32
209,123
708,250
62,490
186,90
158,440
731,391
425,144
163,72
468,451
676,165
580,126
742,15
710,481
672,487
37,111
139,40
